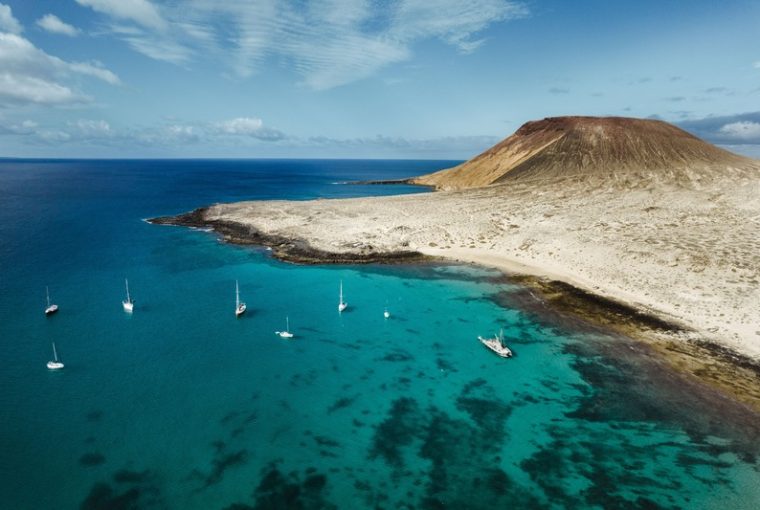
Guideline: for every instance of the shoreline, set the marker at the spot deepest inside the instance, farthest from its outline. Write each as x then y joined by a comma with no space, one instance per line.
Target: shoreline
683,348
296,251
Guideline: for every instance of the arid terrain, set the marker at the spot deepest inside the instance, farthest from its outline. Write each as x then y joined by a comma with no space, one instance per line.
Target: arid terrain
638,211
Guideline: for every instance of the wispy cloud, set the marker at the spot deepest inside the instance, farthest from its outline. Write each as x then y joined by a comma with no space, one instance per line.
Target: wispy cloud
53,24
719,90
392,145
558,90
327,44
240,133
141,12
7,22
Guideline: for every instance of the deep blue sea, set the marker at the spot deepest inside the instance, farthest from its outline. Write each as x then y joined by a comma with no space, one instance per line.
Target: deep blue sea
182,406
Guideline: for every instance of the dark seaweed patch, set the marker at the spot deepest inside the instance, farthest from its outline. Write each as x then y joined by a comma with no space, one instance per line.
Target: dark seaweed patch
229,417
141,493
489,415
396,431
103,497
94,416
326,441
342,403
276,491
396,356
446,366
626,386
131,477
92,459
222,462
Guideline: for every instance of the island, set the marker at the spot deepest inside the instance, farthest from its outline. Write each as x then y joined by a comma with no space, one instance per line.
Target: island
632,219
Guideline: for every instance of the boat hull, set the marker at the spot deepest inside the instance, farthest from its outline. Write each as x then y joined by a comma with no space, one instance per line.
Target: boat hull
50,310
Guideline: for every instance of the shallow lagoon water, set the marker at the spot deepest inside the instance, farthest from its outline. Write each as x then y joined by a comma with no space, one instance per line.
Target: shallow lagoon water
181,405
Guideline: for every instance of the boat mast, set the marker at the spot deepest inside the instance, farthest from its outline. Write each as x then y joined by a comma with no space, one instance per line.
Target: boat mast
55,354
237,295
126,284
287,324
340,299
47,292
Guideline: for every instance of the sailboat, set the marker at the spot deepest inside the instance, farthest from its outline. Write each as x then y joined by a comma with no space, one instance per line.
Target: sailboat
386,313
51,309
239,306
286,333
128,304
496,344
342,305
54,364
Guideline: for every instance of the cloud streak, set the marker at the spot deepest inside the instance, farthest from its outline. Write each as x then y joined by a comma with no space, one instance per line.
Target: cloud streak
243,135
327,44
141,12
51,23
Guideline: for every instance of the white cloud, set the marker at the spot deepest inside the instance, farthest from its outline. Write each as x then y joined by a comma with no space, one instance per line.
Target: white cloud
28,75
22,128
141,12
240,126
7,22
327,44
756,64
247,126
20,89
743,130
92,128
53,24
182,133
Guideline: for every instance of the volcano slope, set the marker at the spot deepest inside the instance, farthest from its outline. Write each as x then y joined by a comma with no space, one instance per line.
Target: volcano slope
633,210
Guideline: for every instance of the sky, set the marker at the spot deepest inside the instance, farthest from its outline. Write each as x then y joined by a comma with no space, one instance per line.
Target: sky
427,79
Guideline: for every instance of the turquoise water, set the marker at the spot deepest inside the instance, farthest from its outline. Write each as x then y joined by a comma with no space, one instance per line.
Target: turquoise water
181,406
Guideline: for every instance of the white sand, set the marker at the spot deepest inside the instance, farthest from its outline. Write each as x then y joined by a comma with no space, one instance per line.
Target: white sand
689,256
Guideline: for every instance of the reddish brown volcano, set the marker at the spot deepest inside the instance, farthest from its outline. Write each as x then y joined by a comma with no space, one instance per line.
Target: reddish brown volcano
596,151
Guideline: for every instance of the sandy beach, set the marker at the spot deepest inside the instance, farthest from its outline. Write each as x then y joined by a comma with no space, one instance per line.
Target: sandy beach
688,256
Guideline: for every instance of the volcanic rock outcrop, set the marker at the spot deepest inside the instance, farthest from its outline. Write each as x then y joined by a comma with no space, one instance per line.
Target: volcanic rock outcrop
596,152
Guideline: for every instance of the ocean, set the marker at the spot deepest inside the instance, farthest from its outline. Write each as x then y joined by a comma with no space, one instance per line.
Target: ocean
182,406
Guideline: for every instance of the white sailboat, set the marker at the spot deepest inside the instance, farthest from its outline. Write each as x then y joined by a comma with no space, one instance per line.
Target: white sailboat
342,305
286,333
239,306
128,304
386,313
54,364
51,308
496,344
